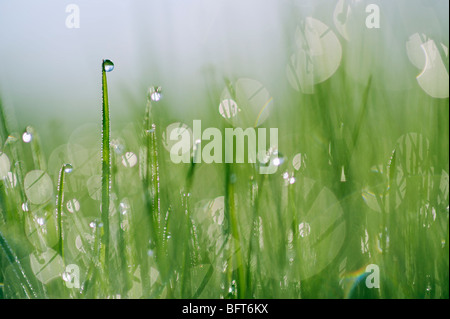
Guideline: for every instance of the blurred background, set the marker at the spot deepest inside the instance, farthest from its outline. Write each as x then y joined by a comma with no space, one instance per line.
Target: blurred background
50,72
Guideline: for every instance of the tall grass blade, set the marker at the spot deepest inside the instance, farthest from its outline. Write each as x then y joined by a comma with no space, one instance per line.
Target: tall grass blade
106,167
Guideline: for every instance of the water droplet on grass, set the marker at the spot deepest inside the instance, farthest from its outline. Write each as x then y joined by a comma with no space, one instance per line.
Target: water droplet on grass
108,65
277,158
68,168
155,93
96,224
27,137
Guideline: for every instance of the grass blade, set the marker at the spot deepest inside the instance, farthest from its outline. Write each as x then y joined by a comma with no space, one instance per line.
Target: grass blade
106,165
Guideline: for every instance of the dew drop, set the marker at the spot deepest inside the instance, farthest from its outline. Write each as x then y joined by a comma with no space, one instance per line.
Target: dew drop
27,137
108,65
155,93
277,158
68,168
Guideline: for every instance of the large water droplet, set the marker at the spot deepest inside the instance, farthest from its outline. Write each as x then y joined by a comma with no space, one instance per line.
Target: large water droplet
68,168
108,65
27,137
155,93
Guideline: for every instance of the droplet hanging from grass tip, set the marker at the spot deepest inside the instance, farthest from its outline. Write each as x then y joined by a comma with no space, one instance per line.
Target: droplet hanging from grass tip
68,168
155,93
108,65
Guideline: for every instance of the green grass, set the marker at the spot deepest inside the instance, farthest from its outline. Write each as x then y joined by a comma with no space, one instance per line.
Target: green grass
164,230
